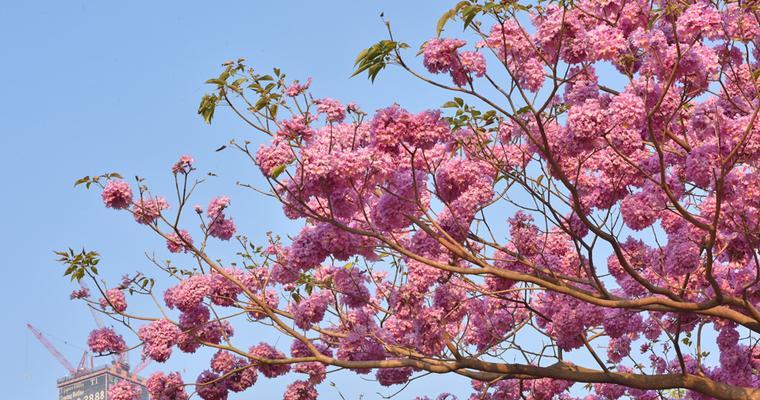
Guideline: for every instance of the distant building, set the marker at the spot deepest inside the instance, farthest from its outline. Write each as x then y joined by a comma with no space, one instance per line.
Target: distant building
94,384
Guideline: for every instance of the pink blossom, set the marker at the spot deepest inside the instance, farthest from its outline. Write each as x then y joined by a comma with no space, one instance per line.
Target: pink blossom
239,374
210,387
262,353
124,390
350,284
147,211
219,225
609,42
638,212
217,206
158,338
189,293
699,19
393,376
117,194
179,243
312,309
473,63
105,340
184,165
300,390
440,55
296,88
334,111
166,387
222,228
82,293
277,155
114,299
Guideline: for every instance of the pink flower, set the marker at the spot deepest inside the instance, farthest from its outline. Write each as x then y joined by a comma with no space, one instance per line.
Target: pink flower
166,387
296,88
105,340
210,387
587,121
300,390
124,390
82,293
184,165
473,63
147,211
637,212
312,309
334,111
179,243
267,352
188,294
221,228
217,206
117,194
158,338
440,55
393,376
278,155
115,299
350,284
700,18
609,42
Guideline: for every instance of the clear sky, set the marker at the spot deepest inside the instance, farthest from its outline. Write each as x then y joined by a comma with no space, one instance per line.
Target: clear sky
96,86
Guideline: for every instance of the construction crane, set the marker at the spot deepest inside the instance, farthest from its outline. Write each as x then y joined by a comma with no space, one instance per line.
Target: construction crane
57,354
141,367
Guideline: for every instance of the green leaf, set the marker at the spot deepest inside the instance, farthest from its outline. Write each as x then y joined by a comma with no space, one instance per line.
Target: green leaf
207,107
523,110
261,103
81,181
450,14
374,58
469,13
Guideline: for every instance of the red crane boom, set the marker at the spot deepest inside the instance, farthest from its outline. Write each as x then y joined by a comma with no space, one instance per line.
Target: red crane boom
141,366
49,346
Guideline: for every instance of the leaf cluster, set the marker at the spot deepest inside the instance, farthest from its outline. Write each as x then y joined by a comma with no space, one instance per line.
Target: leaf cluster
376,57
79,264
88,181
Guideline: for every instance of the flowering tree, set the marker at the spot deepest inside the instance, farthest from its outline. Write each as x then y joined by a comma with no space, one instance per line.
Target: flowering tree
555,231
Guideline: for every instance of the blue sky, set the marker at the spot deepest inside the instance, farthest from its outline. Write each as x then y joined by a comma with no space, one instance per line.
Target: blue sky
92,86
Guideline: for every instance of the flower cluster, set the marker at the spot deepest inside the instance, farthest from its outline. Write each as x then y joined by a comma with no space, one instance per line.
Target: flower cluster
181,242
114,299
105,340
158,339
124,390
442,55
166,387
184,165
117,194
219,226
